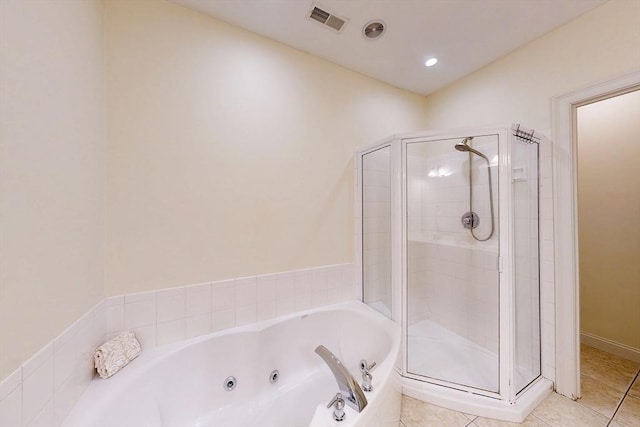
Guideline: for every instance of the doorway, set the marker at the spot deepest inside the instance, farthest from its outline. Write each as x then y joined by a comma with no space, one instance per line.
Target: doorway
608,184
566,276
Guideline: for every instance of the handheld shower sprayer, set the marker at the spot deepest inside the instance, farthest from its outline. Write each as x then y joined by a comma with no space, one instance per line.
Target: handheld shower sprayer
464,146
470,219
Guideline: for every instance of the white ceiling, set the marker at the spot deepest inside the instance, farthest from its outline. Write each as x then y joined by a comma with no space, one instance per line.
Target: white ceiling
464,35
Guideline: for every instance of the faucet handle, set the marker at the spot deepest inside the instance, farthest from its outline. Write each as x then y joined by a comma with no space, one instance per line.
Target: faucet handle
366,376
365,368
338,412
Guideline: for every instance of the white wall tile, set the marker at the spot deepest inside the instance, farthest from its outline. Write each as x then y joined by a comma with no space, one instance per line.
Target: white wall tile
74,348
30,366
140,310
246,293
66,358
286,285
11,402
348,275
111,301
546,250
223,283
198,300
223,319
170,332
266,310
267,288
223,296
319,298
67,395
546,209
139,297
114,317
98,328
45,418
246,314
334,277
37,384
146,335
547,271
546,229
171,305
302,282
286,305
198,325
303,301
9,384
319,279
349,292
334,296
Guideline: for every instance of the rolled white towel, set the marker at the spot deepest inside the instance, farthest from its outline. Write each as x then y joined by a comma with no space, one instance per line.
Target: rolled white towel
115,354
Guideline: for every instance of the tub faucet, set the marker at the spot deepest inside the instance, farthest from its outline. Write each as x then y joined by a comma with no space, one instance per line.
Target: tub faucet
349,388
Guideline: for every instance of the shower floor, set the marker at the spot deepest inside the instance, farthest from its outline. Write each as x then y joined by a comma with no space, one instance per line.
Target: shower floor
436,352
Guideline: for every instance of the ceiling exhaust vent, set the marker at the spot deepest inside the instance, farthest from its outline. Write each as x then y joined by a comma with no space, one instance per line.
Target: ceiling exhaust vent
326,18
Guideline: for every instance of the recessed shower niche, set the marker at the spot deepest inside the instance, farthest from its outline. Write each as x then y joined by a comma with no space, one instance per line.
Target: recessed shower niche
449,248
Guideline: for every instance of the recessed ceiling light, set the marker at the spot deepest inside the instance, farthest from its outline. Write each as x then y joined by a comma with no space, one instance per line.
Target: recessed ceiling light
431,62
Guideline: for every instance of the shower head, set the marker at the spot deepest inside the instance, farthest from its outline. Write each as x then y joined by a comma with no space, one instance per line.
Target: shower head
464,146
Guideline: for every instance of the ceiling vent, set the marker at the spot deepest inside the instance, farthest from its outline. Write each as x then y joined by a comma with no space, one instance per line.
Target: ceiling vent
373,30
326,18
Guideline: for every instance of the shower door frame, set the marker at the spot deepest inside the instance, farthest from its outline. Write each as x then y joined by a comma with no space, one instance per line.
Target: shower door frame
506,303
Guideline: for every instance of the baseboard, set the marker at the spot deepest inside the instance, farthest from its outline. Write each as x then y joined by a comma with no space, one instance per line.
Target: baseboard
609,346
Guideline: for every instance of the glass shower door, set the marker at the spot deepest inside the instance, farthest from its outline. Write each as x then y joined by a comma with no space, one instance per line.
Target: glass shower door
376,229
452,261
524,163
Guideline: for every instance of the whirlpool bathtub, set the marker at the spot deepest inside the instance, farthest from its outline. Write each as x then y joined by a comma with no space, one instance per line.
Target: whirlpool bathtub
186,384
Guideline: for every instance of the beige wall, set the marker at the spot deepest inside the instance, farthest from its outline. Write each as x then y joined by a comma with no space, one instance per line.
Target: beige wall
229,154
519,87
609,209
52,154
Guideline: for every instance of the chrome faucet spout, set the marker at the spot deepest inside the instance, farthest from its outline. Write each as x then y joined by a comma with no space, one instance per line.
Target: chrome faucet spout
349,387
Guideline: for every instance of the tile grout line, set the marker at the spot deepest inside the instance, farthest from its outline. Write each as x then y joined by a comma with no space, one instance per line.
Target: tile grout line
539,419
597,411
626,393
470,423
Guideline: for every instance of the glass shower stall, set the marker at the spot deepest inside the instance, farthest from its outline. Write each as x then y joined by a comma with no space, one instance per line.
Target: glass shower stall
449,248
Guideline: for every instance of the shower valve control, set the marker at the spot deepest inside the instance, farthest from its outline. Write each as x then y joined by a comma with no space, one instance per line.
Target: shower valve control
470,220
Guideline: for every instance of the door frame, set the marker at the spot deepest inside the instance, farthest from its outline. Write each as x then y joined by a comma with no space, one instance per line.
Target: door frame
565,204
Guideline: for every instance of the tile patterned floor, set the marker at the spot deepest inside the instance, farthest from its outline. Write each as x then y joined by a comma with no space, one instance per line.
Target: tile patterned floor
610,398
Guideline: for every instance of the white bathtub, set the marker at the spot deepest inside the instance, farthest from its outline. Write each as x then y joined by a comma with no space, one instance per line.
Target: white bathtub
181,385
